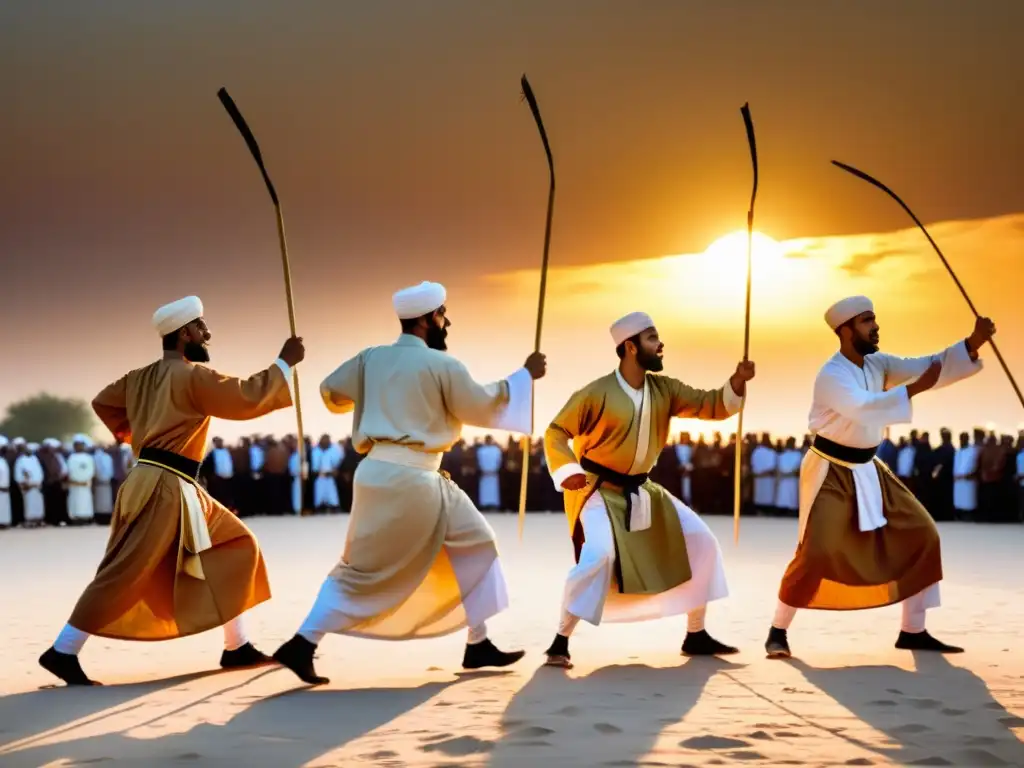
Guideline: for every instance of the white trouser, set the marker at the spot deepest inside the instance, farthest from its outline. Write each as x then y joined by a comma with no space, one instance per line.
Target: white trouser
71,640
590,593
914,610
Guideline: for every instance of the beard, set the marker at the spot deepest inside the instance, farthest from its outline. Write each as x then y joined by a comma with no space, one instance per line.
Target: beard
437,337
649,361
865,347
196,353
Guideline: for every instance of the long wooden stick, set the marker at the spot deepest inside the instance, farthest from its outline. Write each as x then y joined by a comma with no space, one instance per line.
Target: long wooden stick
872,180
527,439
254,149
737,502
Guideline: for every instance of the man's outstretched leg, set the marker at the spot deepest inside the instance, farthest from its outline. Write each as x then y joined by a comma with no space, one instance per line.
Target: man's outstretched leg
238,651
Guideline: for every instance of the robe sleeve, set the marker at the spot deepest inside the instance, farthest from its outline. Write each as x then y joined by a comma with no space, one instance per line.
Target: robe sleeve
572,421
707,404
227,397
506,405
840,393
338,390
956,366
111,406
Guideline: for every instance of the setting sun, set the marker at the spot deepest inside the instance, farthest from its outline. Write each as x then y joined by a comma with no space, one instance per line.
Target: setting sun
732,249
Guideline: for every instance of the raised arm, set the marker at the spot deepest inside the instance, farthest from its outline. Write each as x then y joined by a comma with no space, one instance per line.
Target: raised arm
571,422
959,362
840,393
227,397
111,406
505,404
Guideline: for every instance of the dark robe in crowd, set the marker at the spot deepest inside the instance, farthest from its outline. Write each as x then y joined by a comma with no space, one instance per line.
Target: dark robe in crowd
55,494
276,491
942,481
242,484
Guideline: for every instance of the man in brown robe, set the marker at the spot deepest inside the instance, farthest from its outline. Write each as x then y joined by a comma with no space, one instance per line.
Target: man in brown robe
177,562
864,540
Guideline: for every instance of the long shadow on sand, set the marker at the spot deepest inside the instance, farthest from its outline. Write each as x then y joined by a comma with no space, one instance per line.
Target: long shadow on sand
624,707
968,728
284,729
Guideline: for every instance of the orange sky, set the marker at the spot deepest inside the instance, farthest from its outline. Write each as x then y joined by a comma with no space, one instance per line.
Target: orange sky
396,139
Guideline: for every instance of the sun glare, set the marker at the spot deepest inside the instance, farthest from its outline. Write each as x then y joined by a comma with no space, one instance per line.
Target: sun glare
732,248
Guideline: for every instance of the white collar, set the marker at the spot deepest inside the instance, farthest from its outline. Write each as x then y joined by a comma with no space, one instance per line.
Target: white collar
627,387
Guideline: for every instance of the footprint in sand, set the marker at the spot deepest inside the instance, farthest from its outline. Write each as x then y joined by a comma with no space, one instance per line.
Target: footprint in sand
882,703
460,746
858,761
745,755
935,760
436,737
925,703
569,711
788,735
713,742
1012,722
532,732
759,735
902,730
897,691
607,728
953,712
384,754
981,741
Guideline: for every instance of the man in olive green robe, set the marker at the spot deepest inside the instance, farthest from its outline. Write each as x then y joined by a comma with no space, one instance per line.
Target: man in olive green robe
640,552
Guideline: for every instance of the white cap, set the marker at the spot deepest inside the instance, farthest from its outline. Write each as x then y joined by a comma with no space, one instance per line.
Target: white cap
3,442
32,447
18,441
418,300
80,438
847,309
173,316
629,326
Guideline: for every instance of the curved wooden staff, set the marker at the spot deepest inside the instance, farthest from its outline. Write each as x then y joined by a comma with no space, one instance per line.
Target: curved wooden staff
254,148
737,502
526,443
871,180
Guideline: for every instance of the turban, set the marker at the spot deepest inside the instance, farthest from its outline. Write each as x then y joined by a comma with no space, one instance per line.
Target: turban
51,442
3,441
173,316
32,447
418,300
18,441
847,309
80,438
629,326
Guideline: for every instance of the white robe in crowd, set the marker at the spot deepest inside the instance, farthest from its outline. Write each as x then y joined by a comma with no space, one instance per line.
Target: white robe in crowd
28,473
293,470
787,492
322,462
102,489
489,460
763,463
5,493
223,466
905,461
1020,469
684,454
81,471
256,459
965,487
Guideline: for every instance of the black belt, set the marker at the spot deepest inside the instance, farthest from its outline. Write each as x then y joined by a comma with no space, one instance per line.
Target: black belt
158,457
843,452
630,484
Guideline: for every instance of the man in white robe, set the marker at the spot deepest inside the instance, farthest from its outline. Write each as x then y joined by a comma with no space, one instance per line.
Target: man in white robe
905,460
28,473
684,455
81,471
296,474
223,472
324,460
764,463
965,478
787,493
102,485
849,557
5,486
420,560
489,459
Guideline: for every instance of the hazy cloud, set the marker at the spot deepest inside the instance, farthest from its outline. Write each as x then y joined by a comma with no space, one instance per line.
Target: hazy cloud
859,263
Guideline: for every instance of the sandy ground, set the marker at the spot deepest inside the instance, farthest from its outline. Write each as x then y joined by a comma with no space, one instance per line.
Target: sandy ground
851,698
